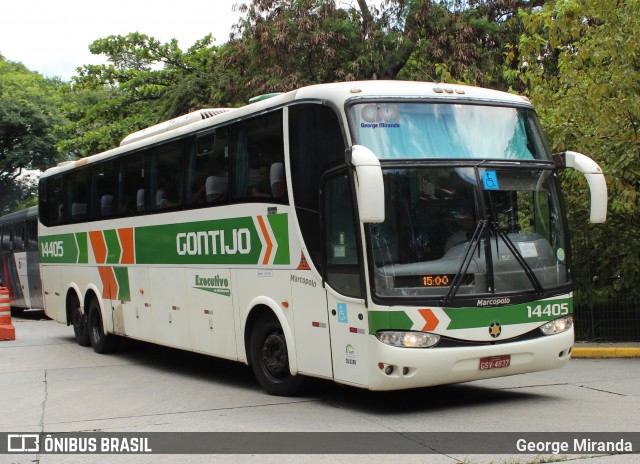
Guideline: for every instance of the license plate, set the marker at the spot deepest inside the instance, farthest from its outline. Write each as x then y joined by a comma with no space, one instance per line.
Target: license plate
495,362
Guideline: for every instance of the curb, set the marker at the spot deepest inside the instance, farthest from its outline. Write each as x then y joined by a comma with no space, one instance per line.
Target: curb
605,352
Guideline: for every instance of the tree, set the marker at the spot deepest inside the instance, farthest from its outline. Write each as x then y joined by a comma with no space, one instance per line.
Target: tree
472,42
286,44
144,82
583,70
281,45
29,120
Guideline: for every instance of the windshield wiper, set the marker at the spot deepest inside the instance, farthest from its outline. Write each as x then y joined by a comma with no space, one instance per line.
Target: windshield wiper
495,227
474,243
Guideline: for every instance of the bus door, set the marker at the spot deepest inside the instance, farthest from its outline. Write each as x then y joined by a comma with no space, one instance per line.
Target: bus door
344,283
33,266
20,256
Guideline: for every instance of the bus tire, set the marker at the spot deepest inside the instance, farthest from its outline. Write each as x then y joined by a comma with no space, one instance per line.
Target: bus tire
17,312
80,325
102,342
270,358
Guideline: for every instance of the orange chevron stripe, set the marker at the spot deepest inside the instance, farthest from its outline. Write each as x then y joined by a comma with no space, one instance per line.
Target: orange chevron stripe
267,238
430,319
109,283
99,246
126,241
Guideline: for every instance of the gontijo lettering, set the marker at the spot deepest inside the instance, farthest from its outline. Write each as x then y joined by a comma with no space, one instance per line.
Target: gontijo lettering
212,242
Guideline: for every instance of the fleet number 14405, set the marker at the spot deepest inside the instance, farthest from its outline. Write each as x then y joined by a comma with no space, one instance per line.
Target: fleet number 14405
554,309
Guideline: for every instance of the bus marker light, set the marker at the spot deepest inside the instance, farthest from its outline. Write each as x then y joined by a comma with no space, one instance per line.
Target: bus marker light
285,304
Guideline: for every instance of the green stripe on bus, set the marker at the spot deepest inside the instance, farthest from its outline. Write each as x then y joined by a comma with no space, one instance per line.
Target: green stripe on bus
280,227
471,318
385,320
81,242
224,241
113,246
122,277
467,318
58,249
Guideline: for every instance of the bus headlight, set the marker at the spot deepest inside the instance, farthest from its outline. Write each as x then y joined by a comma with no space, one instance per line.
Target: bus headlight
557,326
408,339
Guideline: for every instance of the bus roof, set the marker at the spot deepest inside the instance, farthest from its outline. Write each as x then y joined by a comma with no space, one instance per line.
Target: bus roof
337,93
29,212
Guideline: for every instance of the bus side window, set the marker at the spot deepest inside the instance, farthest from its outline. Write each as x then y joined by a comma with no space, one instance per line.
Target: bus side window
32,235
79,194
316,143
208,169
131,185
258,149
20,241
103,186
52,201
166,176
6,237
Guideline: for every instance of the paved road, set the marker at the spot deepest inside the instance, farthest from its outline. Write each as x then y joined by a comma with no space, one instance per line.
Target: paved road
50,384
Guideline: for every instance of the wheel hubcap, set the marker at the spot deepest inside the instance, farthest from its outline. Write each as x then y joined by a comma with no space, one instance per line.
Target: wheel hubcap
274,356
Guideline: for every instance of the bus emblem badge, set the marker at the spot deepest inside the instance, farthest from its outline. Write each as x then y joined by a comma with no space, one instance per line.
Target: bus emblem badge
495,329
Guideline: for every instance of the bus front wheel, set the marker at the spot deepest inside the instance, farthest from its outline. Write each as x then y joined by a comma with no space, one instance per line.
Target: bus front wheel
102,342
270,358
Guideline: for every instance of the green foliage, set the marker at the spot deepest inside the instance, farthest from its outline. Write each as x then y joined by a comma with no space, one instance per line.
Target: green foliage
29,118
471,42
144,82
582,68
282,45
576,59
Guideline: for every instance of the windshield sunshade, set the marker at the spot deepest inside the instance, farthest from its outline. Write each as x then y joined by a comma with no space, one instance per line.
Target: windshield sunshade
439,130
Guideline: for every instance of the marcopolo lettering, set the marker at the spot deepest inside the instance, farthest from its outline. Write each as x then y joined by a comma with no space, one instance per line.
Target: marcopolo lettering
493,301
214,242
303,281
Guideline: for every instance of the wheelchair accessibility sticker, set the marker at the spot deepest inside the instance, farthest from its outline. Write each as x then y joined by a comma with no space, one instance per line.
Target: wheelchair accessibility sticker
342,313
490,180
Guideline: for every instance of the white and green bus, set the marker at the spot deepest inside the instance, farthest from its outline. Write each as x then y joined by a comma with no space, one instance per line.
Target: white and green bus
385,235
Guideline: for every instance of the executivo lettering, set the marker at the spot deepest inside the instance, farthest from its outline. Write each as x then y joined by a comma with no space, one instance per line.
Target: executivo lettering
214,242
216,284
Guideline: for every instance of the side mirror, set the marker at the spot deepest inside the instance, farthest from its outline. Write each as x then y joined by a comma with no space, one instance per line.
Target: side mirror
595,178
369,184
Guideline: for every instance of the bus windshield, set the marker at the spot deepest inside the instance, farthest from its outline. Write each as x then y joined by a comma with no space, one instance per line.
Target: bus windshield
439,130
469,230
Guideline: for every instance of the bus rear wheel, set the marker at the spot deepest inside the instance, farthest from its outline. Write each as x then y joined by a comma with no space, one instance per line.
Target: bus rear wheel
102,342
80,326
270,358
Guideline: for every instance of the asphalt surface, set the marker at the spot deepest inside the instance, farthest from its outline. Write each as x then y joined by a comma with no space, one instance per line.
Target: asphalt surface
50,384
